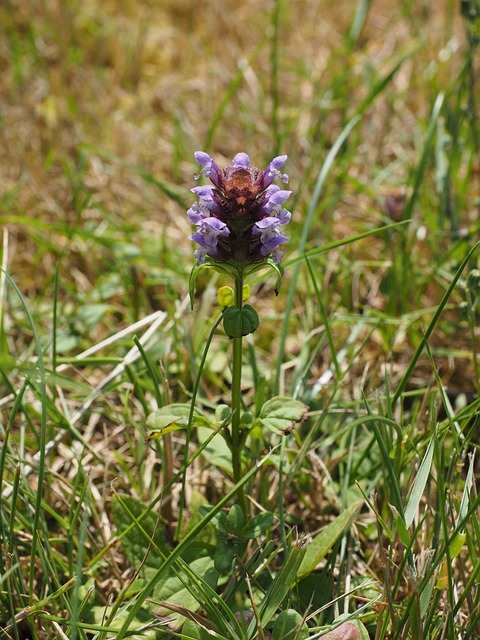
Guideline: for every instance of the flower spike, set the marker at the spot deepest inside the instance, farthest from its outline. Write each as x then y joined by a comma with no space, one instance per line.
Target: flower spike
238,218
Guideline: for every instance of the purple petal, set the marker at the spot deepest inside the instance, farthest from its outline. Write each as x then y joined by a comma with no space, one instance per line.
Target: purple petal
278,162
209,167
284,216
200,255
272,243
203,192
194,214
264,223
216,225
272,170
270,190
280,196
203,158
201,239
207,200
274,200
277,255
241,161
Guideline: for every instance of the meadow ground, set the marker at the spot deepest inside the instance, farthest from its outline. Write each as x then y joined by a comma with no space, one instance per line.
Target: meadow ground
118,515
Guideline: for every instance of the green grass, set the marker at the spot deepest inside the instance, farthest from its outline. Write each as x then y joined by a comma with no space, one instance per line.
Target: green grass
110,531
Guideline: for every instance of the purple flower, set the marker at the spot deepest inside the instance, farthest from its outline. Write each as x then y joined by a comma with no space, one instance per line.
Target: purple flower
238,218
209,231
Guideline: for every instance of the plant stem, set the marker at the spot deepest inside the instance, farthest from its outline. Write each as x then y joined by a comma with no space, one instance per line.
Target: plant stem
237,436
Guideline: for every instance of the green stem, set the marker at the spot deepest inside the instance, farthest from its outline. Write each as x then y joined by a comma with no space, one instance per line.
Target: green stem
237,435
472,301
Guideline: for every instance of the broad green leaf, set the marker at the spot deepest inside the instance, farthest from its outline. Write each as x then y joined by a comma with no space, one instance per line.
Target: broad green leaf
419,484
216,452
280,414
325,540
457,544
195,631
198,503
98,615
134,542
220,519
290,625
224,555
172,417
178,590
240,322
235,520
90,315
278,590
257,525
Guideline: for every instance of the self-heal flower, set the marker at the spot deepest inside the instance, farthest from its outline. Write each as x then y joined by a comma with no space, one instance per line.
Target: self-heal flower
238,216
209,231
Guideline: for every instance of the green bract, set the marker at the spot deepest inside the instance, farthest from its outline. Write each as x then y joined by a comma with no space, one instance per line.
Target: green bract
240,322
235,270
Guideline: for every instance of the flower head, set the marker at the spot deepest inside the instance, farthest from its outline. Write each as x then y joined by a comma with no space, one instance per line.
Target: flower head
238,218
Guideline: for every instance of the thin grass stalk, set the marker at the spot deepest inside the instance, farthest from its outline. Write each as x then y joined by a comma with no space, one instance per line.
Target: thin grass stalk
274,61
315,199
326,323
431,326
43,436
166,508
196,386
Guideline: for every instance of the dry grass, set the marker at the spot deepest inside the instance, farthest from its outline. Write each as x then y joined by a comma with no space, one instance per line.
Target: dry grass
101,107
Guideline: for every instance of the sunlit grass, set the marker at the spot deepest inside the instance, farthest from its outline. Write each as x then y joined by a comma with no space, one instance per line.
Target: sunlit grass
103,105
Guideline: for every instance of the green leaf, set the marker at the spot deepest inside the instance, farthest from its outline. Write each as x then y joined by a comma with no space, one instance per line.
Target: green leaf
224,555
90,315
419,484
172,417
216,452
280,414
97,615
325,540
235,520
457,544
258,525
195,631
278,590
135,542
401,527
177,589
240,322
197,508
220,519
290,625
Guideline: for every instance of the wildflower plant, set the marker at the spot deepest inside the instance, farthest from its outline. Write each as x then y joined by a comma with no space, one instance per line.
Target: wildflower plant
240,220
